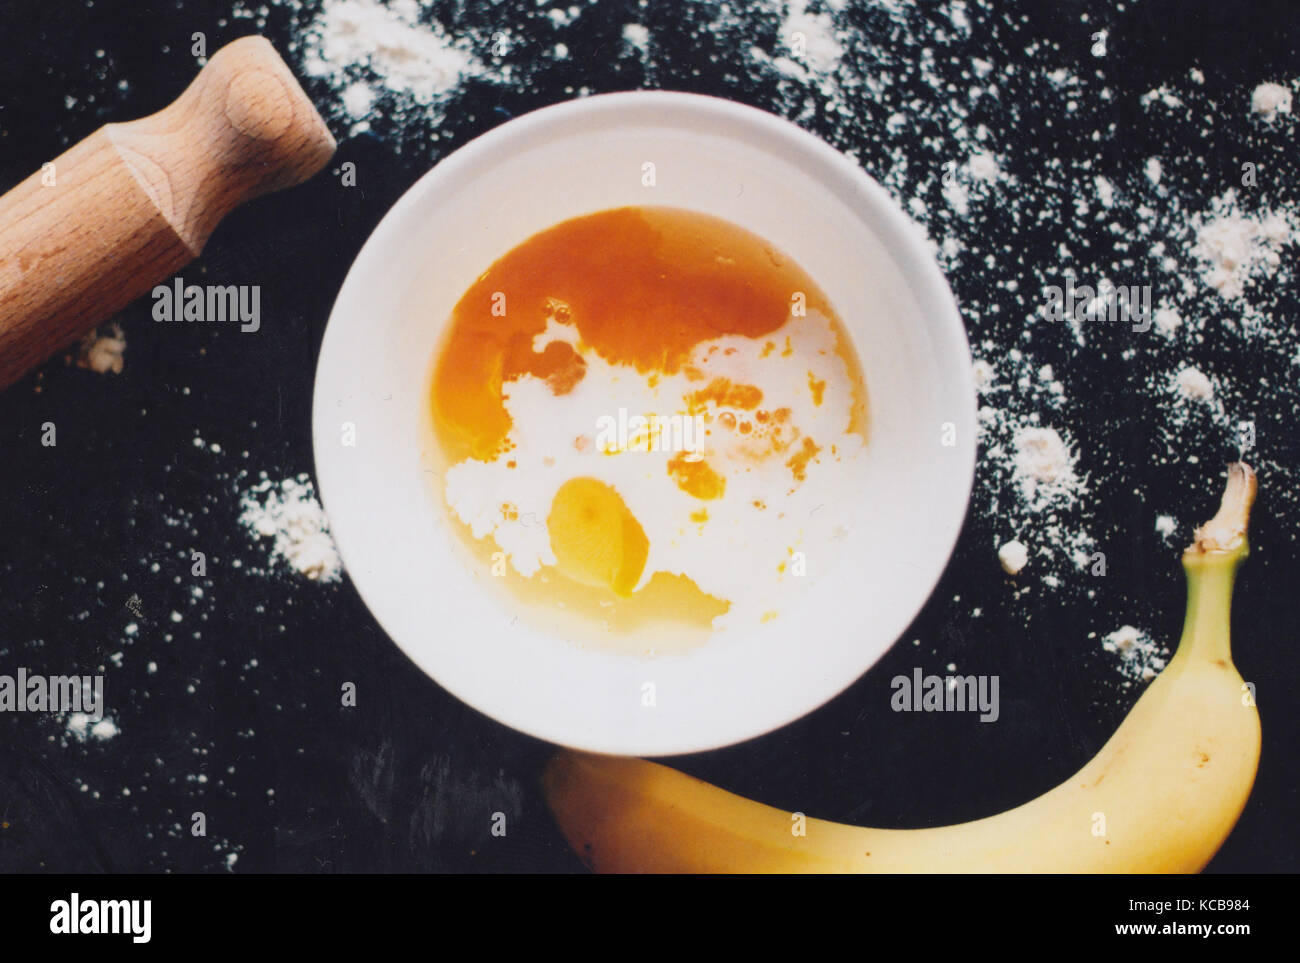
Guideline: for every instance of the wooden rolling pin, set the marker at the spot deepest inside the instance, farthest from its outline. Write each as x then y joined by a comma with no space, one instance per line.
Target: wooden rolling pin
133,203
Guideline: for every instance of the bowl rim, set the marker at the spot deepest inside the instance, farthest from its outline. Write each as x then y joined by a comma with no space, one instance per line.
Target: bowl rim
850,185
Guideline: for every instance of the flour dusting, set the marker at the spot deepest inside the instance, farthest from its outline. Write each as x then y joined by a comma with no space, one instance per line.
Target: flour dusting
290,516
1139,657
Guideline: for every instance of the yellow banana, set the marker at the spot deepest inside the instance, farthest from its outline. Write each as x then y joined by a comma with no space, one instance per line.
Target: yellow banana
1160,797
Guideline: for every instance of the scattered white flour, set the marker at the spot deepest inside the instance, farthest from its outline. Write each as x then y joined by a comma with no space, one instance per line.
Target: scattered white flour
101,350
637,36
1140,656
290,514
1033,484
1154,170
984,167
84,726
1166,526
1167,321
1061,77
1235,246
1194,385
1269,100
1014,556
958,197
358,98
1164,95
1196,402
369,52
1105,191
1044,468
811,38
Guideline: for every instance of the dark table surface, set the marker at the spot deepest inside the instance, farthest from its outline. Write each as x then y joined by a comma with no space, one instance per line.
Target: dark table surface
234,712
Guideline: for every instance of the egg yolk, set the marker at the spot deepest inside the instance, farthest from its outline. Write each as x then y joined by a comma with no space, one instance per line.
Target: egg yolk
595,537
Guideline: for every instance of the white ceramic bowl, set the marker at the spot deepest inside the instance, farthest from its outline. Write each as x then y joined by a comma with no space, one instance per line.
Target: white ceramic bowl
719,158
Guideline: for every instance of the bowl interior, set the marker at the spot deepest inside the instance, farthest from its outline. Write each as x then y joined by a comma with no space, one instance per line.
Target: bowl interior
717,158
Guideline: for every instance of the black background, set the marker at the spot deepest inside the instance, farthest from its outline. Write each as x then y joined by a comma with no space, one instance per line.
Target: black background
408,780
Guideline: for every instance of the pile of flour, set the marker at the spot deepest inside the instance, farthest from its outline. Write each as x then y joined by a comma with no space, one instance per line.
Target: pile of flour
1139,657
1036,489
289,515
103,350
391,59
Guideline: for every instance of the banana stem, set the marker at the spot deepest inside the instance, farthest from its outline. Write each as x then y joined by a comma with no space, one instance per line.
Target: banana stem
1211,561
1226,531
